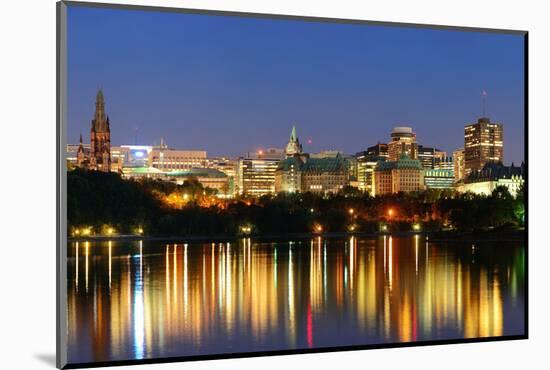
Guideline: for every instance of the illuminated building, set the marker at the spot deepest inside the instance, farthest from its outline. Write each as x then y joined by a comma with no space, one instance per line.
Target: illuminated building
144,172
351,161
405,174
482,144
439,179
136,155
317,175
288,176
293,147
444,163
324,172
379,150
78,155
98,157
324,175
366,164
229,167
119,157
459,164
403,141
430,157
491,176
168,159
257,175
208,177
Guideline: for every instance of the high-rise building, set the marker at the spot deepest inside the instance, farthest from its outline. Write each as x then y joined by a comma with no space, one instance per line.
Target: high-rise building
483,143
403,141
405,174
458,164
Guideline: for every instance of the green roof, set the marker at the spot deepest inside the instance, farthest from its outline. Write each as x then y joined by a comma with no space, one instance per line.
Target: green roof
328,164
141,170
402,163
198,172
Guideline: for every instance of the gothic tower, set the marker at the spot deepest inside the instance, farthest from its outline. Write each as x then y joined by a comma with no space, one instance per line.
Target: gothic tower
100,137
293,147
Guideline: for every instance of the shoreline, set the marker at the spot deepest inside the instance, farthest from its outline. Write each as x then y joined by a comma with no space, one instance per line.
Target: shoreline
440,236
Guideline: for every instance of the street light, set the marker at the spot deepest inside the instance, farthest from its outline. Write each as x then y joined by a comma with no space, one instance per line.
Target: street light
351,210
390,212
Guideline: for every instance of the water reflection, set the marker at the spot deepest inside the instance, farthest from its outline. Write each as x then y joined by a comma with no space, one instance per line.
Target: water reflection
146,300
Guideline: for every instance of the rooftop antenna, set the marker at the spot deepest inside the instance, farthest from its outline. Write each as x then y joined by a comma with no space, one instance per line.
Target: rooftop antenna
484,103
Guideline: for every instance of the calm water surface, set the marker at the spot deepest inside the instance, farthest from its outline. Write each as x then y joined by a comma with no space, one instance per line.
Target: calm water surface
137,300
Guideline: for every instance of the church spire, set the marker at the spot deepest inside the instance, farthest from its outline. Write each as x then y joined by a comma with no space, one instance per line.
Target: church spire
99,122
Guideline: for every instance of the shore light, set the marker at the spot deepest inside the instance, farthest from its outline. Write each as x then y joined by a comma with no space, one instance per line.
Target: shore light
246,229
416,227
390,212
351,210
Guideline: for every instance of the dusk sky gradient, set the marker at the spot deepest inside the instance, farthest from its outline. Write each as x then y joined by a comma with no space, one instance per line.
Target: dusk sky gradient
229,85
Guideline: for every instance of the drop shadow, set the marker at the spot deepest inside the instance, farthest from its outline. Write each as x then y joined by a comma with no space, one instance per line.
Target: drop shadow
47,358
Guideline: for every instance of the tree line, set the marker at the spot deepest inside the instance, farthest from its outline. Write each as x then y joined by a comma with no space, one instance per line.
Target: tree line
98,200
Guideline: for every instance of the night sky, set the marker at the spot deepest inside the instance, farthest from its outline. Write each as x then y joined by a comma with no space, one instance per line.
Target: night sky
230,85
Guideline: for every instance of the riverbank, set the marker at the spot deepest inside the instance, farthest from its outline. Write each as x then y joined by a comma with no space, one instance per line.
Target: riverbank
440,236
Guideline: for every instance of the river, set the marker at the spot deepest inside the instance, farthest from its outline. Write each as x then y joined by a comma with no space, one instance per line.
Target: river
132,300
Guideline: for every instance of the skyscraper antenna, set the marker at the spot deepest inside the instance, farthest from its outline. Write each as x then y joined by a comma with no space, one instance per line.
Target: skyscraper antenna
484,103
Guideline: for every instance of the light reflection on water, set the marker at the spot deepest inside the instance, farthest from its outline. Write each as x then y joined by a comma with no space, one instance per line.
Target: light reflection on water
152,299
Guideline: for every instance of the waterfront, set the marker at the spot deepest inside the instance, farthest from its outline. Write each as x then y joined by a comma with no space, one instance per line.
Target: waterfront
149,299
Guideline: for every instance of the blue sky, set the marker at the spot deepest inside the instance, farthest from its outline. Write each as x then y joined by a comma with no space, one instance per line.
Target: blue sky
232,84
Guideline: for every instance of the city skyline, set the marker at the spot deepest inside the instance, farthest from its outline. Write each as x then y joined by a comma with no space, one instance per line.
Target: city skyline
185,93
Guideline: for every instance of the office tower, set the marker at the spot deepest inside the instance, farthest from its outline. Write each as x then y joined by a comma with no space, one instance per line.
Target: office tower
403,141
379,150
483,143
